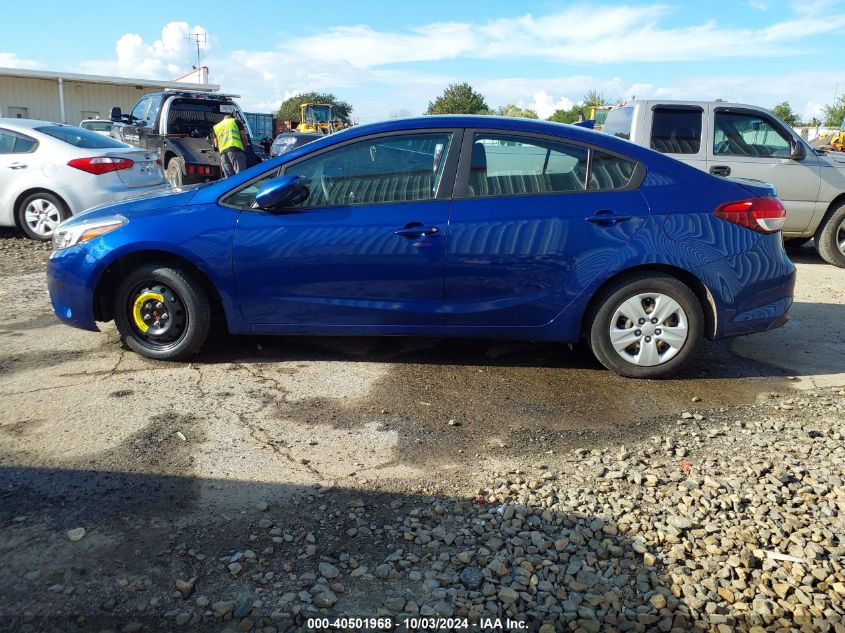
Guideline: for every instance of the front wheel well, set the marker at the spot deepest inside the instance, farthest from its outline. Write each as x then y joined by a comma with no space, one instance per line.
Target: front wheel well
19,200
705,298
837,202
108,282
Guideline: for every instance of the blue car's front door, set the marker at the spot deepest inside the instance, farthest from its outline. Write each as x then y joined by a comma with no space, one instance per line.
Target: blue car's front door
366,248
534,220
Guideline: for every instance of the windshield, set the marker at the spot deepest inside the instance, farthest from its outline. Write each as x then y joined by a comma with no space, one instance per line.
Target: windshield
76,136
618,122
318,113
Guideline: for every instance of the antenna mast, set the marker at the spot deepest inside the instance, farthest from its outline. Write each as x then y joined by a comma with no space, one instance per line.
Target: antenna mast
199,38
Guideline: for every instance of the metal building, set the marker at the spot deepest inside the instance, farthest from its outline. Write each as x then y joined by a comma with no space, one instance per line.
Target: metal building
70,98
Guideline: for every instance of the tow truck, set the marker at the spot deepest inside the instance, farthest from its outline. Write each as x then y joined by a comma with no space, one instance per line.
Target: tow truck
177,124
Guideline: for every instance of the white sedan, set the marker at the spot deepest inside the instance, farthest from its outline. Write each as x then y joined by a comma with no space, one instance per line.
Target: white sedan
50,171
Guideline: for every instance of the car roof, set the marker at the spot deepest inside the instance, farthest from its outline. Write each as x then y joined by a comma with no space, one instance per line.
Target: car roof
29,124
681,102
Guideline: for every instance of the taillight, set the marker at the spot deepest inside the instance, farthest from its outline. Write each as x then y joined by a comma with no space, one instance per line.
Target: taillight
100,164
198,169
764,215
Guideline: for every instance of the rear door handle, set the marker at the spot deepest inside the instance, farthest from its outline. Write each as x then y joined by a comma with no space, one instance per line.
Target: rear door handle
416,230
606,217
720,170
17,166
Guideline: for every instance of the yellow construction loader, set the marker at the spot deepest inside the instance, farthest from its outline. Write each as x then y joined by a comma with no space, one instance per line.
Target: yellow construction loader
319,118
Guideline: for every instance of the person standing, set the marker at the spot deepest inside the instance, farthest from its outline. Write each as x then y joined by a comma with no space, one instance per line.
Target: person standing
230,140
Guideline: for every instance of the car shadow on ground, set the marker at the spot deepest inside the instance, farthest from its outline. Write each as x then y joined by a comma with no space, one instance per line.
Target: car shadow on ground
530,555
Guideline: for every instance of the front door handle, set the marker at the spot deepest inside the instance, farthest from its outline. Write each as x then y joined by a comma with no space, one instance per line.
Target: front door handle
416,230
606,217
17,166
720,170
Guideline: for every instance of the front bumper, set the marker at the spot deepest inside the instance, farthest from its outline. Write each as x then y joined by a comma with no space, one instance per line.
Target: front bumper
752,291
71,280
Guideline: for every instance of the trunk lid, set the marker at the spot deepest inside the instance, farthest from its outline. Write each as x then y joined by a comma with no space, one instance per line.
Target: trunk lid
757,187
144,172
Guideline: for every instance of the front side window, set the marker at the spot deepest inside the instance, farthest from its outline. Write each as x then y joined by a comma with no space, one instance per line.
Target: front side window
244,197
745,134
676,131
139,112
14,143
504,165
399,168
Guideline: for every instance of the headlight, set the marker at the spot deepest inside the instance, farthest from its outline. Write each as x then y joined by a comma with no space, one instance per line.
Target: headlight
65,236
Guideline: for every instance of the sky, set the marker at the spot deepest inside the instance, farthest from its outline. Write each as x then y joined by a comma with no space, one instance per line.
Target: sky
393,58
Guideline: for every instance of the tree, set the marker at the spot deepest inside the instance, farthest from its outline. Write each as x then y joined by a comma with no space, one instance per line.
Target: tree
784,112
290,108
514,110
835,112
596,98
458,99
566,116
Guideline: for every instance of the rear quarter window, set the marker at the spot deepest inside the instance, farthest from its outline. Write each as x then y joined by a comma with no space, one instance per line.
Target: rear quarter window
618,122
84,139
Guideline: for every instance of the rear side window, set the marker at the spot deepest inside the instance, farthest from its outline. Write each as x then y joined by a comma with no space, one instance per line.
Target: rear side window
676,130
503,165
608,172
76,136
618,122
14,143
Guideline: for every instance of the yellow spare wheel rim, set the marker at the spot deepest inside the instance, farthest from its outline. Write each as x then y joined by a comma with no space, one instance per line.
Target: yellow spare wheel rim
147,307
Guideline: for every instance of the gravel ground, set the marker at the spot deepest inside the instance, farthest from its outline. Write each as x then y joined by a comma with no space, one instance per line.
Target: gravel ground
19,254
272,482
727,520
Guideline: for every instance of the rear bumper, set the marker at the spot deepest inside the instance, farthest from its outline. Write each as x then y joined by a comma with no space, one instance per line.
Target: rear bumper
71,281
752,291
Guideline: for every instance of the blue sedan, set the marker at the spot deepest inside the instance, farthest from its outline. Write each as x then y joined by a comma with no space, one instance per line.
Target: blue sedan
440,226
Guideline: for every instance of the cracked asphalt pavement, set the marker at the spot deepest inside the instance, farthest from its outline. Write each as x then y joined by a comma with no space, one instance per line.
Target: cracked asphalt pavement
148,455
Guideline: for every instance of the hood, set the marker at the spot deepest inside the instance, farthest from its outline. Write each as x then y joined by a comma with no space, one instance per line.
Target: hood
837,158
139,205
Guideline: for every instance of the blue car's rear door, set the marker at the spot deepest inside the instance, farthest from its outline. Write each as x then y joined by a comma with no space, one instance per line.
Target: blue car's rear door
530,227
366,248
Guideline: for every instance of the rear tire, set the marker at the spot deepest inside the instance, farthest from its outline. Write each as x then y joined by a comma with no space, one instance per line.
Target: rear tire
830,238
646,326
39,214
162,312
174,172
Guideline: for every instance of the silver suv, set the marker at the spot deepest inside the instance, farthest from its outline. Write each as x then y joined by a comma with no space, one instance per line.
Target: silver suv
731,139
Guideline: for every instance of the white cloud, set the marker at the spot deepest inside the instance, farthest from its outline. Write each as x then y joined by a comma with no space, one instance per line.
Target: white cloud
359,63
168,57
573,36
11,60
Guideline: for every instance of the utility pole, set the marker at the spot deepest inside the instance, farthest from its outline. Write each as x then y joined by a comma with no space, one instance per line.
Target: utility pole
199,38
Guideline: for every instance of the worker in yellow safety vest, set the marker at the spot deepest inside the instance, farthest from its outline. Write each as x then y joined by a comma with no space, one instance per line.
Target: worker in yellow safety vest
230,139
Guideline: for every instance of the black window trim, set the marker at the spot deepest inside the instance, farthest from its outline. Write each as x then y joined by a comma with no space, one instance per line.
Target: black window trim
444,188
20,135
677,106
462,176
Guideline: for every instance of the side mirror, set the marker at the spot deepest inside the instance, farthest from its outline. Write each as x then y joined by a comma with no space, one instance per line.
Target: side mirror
799,152
116,115
277,193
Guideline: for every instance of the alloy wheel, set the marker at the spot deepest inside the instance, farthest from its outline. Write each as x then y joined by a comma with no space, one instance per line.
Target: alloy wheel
42,217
